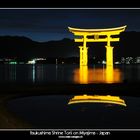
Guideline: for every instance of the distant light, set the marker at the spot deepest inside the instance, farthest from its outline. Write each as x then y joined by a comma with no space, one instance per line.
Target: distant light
31,62
13,62
40,59
56,61
117,62
103,62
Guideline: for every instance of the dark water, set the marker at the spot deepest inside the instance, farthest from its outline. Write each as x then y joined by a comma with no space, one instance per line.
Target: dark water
54,112
41,73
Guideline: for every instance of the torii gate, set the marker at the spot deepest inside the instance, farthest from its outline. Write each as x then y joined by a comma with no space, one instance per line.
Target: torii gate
100,35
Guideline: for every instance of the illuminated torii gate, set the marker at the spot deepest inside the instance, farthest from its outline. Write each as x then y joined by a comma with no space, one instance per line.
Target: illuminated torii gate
100,35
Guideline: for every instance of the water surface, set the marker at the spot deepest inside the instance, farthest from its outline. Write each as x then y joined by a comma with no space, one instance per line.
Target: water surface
43,73
54,112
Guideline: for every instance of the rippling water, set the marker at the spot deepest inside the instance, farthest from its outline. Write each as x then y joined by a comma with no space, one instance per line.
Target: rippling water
41,73
56,111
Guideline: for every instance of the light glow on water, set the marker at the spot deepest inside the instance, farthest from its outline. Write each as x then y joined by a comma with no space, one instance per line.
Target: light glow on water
42,73
85,75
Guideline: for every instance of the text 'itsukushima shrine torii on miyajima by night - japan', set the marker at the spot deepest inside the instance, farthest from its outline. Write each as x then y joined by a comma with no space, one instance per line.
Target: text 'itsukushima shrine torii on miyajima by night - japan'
100,35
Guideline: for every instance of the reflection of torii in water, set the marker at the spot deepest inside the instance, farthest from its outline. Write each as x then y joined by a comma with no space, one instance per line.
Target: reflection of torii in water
100,35
97,99
85,75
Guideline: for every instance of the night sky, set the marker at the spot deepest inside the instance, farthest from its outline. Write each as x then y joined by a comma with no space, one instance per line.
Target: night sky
52,24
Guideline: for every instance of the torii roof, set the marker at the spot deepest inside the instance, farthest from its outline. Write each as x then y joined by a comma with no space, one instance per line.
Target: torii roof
117,29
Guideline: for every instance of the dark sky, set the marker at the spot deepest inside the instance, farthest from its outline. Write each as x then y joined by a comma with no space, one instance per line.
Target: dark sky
52,24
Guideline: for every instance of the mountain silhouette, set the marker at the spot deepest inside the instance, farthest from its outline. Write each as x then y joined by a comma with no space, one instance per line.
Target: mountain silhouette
23,47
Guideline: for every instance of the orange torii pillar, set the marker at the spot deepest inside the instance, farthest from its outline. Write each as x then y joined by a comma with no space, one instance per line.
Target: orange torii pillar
83,53
109,52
